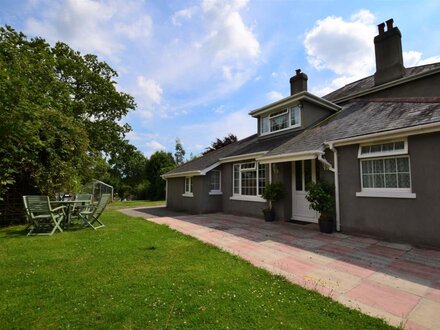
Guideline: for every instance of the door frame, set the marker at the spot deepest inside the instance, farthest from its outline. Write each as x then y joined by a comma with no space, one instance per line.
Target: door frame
294,193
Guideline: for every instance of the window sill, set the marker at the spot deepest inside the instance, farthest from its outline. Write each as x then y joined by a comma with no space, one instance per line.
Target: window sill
215,192
386,194
188,195
248,198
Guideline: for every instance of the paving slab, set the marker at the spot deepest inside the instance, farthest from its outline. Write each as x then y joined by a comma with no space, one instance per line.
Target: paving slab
393,281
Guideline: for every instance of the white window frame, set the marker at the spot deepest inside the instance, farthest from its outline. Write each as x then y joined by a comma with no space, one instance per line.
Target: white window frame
289,112
219,190
403,151
239,196
382,155
188,192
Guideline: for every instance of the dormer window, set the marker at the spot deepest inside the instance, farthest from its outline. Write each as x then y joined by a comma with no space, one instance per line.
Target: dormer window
281,120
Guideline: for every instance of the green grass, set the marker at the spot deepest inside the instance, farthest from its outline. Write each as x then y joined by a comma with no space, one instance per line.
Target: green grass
136,274
137,203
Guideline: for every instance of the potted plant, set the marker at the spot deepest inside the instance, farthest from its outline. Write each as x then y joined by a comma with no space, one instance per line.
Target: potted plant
272,193
320,197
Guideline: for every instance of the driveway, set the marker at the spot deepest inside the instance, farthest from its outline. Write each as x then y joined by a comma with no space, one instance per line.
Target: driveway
396,282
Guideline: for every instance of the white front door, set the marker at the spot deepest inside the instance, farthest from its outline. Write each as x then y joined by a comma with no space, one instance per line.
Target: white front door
303,172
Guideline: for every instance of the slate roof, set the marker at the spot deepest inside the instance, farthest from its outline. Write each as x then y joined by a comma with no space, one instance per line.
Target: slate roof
357,117
368,82
248,145
364,116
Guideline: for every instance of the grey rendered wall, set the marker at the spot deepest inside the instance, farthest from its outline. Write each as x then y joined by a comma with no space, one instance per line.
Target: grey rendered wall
233,206
202,202
426,87
312,113
415,221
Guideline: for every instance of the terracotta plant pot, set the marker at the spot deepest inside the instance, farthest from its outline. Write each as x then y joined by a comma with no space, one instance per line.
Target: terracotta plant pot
325,223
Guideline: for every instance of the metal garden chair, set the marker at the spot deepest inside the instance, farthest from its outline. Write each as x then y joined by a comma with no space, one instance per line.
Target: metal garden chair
41,216
92,214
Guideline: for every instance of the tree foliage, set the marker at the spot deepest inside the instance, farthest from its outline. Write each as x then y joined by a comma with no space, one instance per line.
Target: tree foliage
179,154
220,143
59,113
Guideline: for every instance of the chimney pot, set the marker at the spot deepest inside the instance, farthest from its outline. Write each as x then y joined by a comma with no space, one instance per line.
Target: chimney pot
390,24
381,28
298,71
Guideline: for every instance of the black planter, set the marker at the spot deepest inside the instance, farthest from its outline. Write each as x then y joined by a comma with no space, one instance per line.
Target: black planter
269,215
325,224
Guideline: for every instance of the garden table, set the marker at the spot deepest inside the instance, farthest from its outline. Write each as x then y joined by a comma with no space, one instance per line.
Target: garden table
70,205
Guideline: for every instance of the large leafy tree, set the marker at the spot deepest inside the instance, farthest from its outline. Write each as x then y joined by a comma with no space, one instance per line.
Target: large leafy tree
59,114
159,163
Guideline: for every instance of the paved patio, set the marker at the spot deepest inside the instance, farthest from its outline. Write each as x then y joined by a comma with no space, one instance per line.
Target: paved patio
396,282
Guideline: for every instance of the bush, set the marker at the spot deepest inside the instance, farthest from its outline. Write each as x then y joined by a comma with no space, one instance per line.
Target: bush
320,196
273,193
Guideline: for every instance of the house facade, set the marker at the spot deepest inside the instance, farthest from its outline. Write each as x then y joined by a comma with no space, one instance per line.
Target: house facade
377,140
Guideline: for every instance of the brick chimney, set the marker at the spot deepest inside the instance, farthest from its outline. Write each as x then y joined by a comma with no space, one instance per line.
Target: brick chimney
388,49
298,83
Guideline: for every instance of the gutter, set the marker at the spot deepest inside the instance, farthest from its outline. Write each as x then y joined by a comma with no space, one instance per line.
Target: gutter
312,154
390,134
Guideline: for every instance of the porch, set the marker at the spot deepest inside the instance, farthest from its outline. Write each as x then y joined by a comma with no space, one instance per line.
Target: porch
396,282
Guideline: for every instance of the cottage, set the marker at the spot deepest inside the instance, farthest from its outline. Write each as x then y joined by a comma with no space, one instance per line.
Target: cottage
376,139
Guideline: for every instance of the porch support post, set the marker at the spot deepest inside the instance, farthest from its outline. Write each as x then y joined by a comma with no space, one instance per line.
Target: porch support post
270,172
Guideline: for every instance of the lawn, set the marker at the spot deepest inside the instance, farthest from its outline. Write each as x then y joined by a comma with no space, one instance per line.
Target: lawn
136,274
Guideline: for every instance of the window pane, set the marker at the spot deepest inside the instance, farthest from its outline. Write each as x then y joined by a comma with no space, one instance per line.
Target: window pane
298,175
264,124
278,123
215,180
391,180
367,181
294,116
378,181
367,166
399,145
261,178
376,148
403,164
307,172
388,147
236,179
378,166
365,150
390,165
249,183
404,181
245,166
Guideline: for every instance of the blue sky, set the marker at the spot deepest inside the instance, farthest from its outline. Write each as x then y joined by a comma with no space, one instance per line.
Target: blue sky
196,68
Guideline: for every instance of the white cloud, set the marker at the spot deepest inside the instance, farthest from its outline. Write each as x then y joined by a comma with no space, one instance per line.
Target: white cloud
150,89
140,29
344,47
274,96
154,145
182,15
414,58
98,27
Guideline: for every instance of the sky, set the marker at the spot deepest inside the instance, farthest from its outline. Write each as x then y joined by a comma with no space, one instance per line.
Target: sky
197,68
